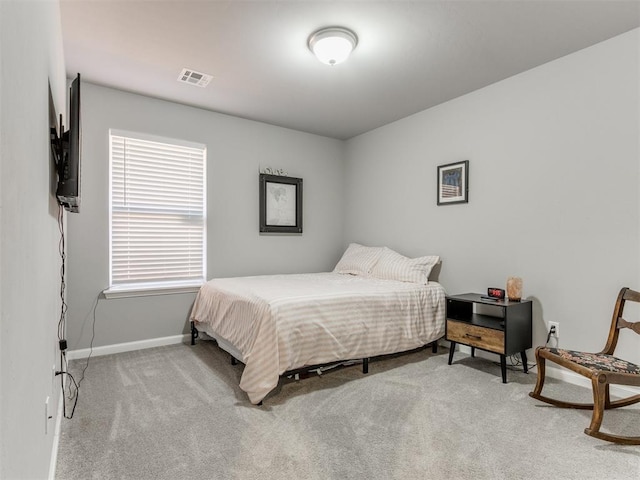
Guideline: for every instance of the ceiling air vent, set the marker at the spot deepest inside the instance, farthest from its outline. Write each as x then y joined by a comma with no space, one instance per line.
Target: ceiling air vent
194,78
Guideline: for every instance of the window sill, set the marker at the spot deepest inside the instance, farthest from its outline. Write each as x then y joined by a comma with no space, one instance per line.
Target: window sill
146,291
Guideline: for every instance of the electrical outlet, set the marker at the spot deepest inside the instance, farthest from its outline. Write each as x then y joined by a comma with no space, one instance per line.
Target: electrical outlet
555,325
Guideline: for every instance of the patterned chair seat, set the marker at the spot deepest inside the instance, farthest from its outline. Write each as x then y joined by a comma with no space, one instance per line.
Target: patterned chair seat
597,361
594,366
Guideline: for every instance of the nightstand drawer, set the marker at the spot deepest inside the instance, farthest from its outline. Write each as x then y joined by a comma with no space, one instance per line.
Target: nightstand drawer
474,336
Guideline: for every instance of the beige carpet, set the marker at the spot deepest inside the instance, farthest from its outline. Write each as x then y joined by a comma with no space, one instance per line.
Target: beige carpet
177,413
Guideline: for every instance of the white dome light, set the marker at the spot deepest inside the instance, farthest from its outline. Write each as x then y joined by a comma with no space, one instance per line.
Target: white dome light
332,45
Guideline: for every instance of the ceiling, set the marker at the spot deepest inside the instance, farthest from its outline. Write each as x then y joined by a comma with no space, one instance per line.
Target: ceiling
411,55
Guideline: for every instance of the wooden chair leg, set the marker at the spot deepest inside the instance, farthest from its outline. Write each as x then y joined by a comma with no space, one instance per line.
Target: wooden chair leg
600,390
541,364
600,397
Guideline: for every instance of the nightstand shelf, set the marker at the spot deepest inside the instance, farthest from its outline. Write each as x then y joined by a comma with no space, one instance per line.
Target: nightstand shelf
502,327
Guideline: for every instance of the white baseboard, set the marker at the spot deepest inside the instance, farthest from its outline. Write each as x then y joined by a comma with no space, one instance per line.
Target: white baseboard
575,379
127,347
56,439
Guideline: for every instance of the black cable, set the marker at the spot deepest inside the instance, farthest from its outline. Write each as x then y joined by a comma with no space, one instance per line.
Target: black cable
63,257
72,394
62,321
514,361
93,336
552,330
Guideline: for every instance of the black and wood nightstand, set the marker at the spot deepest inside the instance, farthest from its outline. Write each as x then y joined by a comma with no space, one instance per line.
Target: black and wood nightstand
497,326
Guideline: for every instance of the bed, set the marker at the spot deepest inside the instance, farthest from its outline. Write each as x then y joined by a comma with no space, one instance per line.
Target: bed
375,302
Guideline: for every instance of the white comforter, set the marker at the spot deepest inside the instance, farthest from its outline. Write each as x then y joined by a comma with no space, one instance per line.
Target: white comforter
283,322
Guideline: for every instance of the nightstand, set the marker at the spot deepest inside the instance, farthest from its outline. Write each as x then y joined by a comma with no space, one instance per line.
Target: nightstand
497,326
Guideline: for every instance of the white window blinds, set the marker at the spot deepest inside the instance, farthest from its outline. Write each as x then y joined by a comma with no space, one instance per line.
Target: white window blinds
158,217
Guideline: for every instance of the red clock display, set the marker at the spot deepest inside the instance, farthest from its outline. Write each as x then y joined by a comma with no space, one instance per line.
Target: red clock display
495,292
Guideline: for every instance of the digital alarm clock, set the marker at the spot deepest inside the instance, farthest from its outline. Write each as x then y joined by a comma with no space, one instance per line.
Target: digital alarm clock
496,293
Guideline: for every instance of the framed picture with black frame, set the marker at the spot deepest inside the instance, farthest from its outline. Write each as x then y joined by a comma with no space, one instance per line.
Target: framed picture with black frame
280,204
453,183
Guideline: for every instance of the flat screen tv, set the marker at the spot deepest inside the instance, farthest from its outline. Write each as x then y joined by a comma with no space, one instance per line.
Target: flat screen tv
69,154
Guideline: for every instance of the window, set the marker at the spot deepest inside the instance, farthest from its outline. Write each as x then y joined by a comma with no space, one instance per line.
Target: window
158,215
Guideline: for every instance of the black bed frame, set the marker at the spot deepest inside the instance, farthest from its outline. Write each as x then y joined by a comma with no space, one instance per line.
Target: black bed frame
365,361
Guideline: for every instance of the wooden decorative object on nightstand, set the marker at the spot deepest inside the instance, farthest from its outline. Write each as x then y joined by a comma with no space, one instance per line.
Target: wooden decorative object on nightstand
497,326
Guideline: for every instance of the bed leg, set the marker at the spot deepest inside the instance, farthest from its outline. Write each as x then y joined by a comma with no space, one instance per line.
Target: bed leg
194,333
365,365
434,347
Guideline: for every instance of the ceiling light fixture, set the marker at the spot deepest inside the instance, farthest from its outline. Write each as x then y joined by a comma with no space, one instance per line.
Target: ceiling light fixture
332,45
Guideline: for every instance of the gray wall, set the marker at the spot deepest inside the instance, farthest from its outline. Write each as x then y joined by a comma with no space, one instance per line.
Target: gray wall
553,195
31,53
554,188
236,149
553,150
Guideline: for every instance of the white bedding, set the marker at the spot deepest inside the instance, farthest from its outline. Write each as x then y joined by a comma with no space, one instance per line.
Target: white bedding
283,322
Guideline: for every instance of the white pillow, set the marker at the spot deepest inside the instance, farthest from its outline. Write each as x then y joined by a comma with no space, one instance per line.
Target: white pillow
393,266
358,260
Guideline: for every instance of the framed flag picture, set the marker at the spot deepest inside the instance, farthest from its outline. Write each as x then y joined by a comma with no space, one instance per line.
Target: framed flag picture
453,183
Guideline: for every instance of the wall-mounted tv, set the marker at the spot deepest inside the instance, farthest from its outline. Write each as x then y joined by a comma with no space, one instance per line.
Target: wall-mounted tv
68,153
